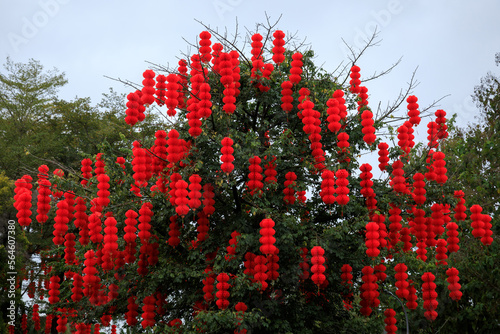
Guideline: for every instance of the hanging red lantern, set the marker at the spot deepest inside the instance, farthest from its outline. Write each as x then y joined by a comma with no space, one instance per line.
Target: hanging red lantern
453,285
369,293
460,206
148,90
347,282
222,293
148,314
395,226
412,297
401,281
259,271
289,190
317,268
355,82
413,112
131,315
383,156
54,289
390,321
161,89
174,232
227,157
429,296
205,50
477,221
441,252
342,189
328,192
132,112
371,239
432,131
208,199
296,68
278,49
172,94
487,239
368,128
286,96
233,242
61,222
398,179
267,239
441,122
255,184
439,167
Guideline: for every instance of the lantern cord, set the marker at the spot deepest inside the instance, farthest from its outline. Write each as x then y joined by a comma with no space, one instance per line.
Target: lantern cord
404,309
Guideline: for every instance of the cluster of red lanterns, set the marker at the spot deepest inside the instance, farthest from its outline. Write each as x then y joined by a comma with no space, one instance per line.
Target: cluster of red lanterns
22,200
453,285
413,112
342,189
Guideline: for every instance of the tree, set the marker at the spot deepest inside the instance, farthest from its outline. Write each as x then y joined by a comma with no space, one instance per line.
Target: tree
251,213
37,127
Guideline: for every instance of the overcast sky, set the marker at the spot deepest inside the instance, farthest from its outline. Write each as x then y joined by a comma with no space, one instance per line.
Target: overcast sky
452,42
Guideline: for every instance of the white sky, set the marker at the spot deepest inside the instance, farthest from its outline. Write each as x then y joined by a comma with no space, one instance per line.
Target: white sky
452,42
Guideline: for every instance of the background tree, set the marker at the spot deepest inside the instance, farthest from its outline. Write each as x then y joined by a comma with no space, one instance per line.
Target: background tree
36,126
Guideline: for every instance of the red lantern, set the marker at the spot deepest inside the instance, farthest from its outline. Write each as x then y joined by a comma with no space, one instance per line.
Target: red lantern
401,281
317,268
395,226
222,294
412,297
369,293
453,285
413,112
259,270
477,221
296,68
342,189
172,94
372,243
132,112
390,321
429,296
460,207
174,232
270,171
289,190
208,199
398,180
278,49
327,192
61,222
54,289
441,122
227,157
487,239
255,176
148,90
205,49
148,314
383,156
267,240
368,128
355,82
286,97
333,115
432,131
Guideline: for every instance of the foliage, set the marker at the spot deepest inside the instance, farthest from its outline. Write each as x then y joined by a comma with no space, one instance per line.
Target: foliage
36,127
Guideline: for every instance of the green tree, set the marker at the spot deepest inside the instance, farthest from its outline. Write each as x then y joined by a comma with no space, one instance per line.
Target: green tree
36,126
174,259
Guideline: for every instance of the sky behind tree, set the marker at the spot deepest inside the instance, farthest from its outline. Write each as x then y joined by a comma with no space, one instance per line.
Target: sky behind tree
453,43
